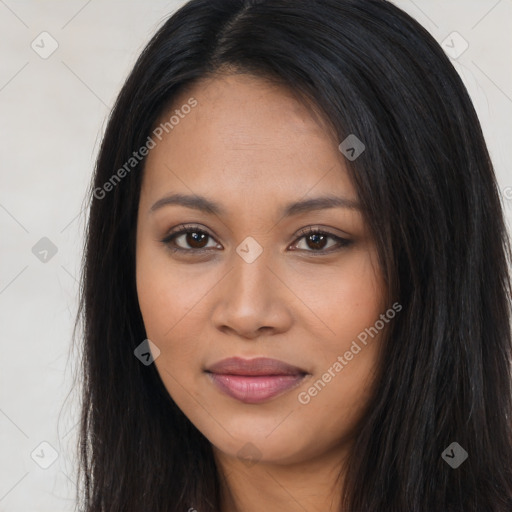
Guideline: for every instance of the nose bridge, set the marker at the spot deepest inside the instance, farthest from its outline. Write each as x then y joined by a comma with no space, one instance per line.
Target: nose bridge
249,278
249,300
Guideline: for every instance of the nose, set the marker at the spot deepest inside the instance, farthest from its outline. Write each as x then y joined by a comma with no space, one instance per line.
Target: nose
252,301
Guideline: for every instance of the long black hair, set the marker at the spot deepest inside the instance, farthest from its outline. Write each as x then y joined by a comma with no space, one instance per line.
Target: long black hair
429,196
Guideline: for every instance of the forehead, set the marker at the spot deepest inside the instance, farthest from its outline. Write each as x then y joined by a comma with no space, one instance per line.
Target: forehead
245,135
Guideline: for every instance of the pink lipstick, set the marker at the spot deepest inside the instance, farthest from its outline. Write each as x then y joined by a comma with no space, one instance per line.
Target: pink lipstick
256,380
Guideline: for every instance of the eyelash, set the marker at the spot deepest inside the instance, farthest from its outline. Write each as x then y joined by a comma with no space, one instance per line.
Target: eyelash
184,230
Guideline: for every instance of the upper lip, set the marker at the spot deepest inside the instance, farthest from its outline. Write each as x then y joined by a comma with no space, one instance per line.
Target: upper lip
256,366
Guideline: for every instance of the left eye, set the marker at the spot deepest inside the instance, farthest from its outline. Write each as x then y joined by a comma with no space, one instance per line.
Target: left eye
317,241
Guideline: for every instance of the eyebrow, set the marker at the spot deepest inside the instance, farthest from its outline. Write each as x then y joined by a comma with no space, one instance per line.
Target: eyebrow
205,205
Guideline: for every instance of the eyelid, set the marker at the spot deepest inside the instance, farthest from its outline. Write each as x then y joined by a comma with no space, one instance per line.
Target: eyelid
319,229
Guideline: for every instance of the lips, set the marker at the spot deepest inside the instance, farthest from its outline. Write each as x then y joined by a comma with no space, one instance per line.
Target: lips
256,380
257,366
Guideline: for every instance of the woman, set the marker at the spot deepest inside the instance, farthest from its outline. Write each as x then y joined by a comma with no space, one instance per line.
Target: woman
295,289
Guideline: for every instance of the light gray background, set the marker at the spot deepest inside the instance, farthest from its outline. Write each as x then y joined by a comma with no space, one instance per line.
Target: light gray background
53,112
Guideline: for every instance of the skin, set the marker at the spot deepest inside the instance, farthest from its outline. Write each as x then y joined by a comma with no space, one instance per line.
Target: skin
253,147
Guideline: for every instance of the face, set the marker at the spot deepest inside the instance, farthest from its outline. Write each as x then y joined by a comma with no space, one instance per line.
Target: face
240,255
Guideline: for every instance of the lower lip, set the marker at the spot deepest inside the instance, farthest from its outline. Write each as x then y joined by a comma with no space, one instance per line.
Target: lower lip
253,389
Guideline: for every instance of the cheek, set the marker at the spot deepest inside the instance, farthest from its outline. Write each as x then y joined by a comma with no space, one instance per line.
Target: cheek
172,304
349,302
343,300
164,292
356,300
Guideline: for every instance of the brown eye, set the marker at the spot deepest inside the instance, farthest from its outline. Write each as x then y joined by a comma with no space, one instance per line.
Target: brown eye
317,241
196,239
188,240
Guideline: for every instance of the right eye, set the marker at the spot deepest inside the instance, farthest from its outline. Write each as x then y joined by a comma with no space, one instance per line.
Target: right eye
193,236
